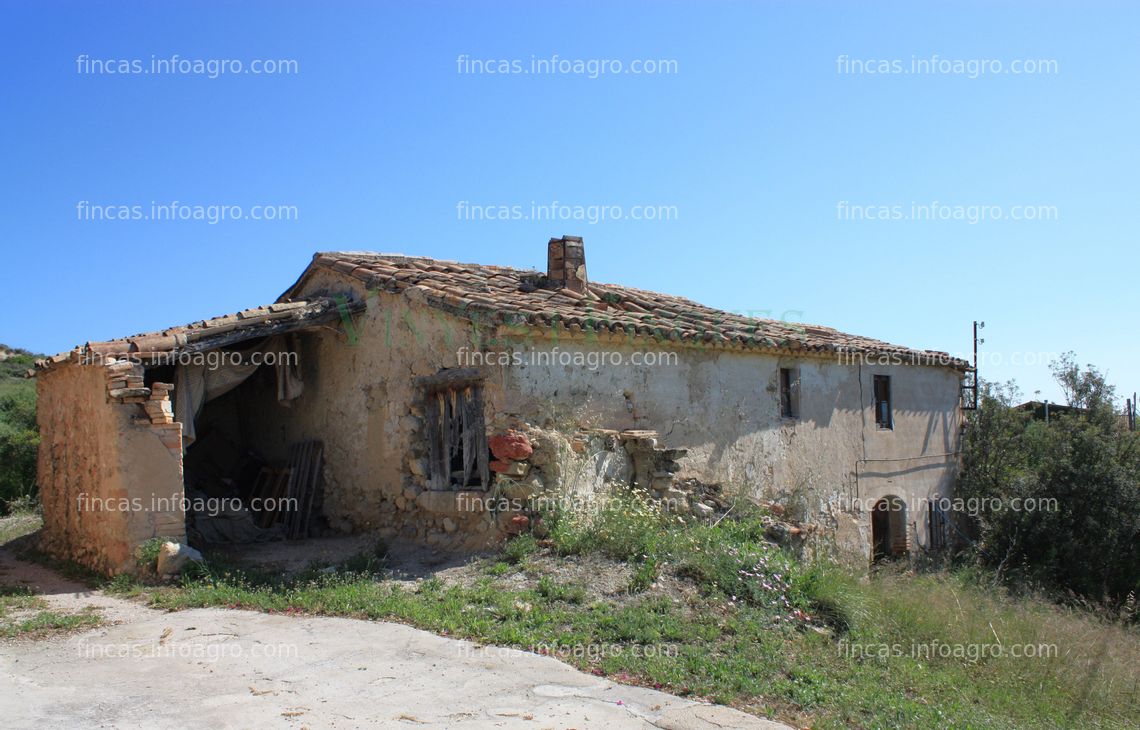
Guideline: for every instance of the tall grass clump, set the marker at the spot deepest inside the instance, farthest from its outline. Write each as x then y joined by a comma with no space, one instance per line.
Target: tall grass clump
623,525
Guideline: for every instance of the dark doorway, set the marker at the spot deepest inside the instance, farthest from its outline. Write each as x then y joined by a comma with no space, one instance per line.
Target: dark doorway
888,529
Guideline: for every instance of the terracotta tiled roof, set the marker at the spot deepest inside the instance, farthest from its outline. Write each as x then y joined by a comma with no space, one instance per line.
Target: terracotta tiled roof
204,334
501,295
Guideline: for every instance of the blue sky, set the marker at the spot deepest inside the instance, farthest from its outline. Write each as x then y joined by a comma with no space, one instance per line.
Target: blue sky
763,140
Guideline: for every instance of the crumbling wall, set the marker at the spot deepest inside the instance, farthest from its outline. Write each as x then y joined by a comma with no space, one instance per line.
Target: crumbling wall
826,467
109,464
718,405
360,398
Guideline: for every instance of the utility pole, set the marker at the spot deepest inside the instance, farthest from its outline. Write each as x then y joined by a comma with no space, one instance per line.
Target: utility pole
972,387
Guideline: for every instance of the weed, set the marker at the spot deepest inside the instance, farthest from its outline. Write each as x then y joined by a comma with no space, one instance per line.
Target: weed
46,622
621,526
552,591
644,574
147,553
499,568
519,548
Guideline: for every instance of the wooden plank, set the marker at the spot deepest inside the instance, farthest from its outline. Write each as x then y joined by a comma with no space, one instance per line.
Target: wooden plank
290,492
280,491
298,489
479,431
314,479
205,340
456,437
463,400
302,451
278,484
269,516
453,378
263,488
443,468
301,458
445,431
310,451
435,458
265,514
260,482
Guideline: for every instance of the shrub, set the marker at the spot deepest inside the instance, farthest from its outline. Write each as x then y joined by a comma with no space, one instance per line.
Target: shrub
644,573
1084,463
19,440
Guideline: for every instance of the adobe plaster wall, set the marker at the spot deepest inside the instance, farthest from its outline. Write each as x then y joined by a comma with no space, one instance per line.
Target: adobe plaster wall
827,467
360,400
724,408
109,479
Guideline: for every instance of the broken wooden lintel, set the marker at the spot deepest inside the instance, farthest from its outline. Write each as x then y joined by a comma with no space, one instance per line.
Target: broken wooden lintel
454,378
204,341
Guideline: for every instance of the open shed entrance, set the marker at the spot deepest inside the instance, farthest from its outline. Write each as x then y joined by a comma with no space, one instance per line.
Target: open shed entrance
251,469
888,529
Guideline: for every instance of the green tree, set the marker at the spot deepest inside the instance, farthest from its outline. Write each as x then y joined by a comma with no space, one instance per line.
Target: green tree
1081,472
18,442
19,437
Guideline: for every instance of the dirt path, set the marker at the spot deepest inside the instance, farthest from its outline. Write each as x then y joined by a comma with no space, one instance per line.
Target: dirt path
222,668
66,596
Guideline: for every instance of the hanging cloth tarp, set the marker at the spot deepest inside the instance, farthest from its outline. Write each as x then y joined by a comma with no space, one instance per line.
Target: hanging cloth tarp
196,384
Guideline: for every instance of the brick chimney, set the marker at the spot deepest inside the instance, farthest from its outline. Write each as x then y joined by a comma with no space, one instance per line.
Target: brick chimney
566,264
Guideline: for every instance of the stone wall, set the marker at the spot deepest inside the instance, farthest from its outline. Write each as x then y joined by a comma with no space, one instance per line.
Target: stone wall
721,407
713,412
361,400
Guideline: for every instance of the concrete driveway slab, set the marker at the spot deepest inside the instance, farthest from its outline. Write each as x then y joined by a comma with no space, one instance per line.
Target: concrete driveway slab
218,668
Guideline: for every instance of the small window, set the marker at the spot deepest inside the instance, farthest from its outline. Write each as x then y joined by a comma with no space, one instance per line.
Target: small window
457,439
883,418
789,393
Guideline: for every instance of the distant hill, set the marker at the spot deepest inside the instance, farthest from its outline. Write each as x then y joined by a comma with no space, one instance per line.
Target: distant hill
15,362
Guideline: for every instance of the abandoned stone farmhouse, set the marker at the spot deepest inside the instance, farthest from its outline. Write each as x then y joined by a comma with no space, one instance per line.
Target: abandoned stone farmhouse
433,402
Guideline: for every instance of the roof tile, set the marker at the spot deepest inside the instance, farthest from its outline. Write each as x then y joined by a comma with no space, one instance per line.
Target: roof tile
507,293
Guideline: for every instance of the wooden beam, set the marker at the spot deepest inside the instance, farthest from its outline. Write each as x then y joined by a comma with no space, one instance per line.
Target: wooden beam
204,340
453,378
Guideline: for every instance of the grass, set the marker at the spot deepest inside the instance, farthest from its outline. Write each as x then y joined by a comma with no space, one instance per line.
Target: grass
810,645
18,525
24,614
553,591
43,623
